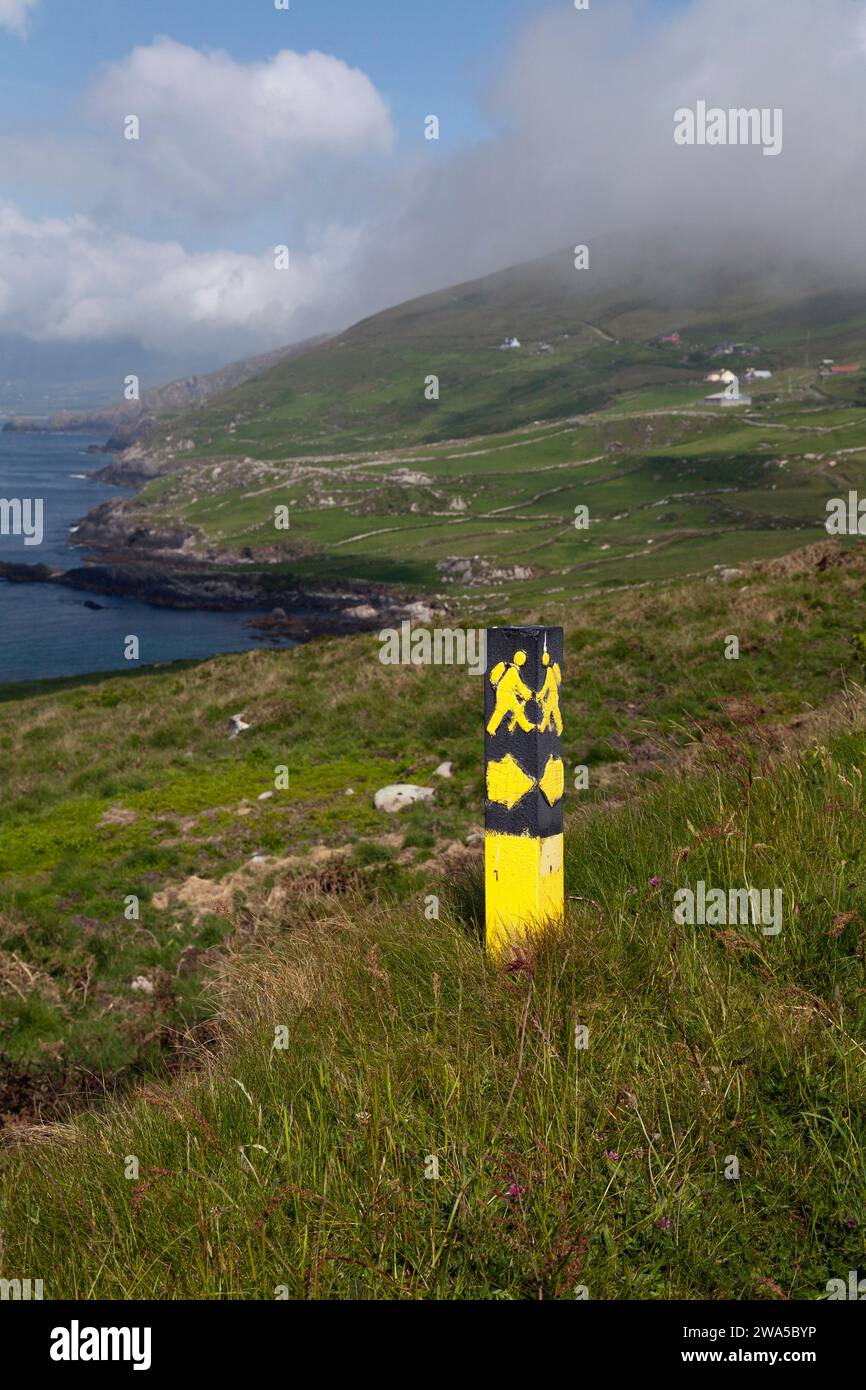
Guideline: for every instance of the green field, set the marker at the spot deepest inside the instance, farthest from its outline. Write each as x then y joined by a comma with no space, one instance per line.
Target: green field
705,1143
668,491
170,897
383,484
128,785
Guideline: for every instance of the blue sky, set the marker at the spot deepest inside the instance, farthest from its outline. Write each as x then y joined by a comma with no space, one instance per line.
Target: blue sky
418,54
430,54
304,128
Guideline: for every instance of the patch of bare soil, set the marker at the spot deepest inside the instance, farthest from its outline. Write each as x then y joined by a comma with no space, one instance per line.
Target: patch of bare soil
262,883
822,555
32,1101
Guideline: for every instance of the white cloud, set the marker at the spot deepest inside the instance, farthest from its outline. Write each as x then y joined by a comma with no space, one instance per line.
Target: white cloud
586,154
13,14
216,134
68,280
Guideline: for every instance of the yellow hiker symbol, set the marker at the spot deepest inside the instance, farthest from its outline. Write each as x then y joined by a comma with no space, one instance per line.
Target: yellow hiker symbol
548,696
511,696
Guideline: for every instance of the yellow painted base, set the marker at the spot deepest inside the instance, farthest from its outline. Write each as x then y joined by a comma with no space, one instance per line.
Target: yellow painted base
523,886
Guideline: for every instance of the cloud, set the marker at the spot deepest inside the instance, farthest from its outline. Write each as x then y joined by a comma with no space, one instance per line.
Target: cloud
216,135
95,284
13,14
584,104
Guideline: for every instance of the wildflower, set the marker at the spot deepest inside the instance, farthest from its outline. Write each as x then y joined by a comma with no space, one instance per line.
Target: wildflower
655,881
514,1191
612,1155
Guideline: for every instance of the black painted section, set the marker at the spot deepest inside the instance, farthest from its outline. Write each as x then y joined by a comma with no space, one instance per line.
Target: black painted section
532,815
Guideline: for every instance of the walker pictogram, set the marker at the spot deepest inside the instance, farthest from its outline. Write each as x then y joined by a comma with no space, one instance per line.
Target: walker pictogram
511,695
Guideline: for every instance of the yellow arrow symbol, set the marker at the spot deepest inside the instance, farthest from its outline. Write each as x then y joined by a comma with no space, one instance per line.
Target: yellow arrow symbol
507,782
552,782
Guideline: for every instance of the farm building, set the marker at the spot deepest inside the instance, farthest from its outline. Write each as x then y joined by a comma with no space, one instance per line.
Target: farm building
728,348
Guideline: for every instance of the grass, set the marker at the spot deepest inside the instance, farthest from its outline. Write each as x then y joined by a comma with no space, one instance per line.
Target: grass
386,485
274,1000
302,1169
365,389
668,490
128,786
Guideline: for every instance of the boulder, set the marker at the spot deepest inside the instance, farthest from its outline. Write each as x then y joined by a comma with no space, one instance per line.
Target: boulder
363,611
400,795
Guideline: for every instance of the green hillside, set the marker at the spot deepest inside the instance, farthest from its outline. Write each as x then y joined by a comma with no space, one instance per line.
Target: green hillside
670,488
304,1170
365,389
476,493
127,784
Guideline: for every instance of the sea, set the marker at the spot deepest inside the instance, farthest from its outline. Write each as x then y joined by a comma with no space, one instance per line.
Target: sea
46,630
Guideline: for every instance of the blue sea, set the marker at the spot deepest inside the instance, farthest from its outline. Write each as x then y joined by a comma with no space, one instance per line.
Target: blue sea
46,630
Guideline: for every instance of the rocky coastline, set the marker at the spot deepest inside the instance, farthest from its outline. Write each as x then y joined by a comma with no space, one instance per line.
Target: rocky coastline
164,566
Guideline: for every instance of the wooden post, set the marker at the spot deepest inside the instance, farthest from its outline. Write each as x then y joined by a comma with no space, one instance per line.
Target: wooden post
525,781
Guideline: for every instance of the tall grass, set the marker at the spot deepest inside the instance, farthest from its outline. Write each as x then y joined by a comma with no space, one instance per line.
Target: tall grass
306,1170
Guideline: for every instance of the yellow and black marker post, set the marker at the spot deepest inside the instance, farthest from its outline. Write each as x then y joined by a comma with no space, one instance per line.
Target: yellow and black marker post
525,781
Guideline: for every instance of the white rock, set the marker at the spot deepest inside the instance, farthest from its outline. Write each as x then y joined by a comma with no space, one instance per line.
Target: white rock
444,770
399,795
420,612
141,984
265,796
364,610
237,725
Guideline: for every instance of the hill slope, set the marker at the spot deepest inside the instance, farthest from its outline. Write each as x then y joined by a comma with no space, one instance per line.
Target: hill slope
129,419
303,1170
590,411
365,389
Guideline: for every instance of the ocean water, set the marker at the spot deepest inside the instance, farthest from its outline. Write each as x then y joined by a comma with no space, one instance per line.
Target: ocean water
47,630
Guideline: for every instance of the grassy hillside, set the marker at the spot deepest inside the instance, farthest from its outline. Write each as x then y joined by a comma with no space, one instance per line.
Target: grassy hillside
670,488
365,390
129,786
170,897
705,1143
464,492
